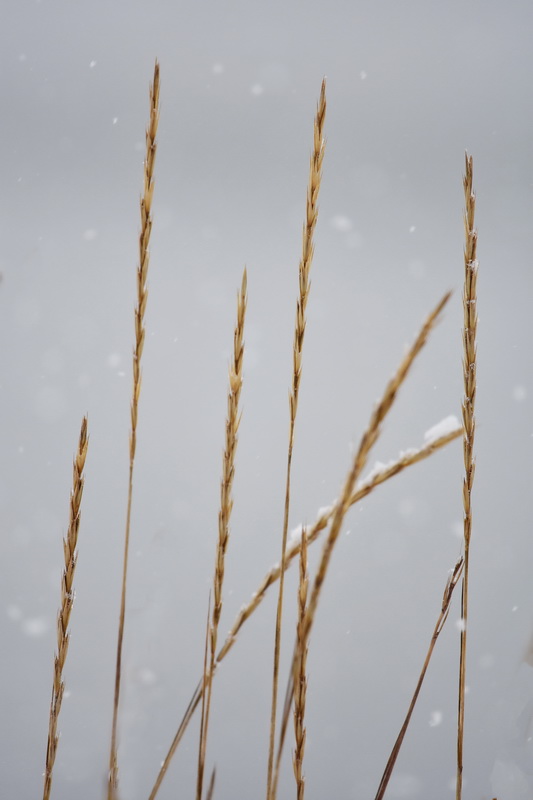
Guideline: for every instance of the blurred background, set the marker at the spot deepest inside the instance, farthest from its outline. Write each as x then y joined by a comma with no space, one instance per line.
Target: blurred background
410,86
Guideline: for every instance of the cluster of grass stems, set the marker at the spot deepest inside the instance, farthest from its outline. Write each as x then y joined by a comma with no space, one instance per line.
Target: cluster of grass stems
330,519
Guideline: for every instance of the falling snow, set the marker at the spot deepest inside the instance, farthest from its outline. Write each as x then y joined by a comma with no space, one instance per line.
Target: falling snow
341,223
435,719
35,627
519,393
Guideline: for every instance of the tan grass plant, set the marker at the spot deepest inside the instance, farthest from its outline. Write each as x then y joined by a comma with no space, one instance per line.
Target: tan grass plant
453,579
70,554
142,297
469,427
369,438
315,176
377,478
224,514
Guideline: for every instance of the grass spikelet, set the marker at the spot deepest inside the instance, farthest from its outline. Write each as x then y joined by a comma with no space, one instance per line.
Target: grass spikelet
142,297
453,579
70,544
226,505
300,674
315,175
469,426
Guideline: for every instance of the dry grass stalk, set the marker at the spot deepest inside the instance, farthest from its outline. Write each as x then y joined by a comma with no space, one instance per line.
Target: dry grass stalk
363,490
142,296
469,426
70,543
368,439
315,175
453,579
226,505
300,674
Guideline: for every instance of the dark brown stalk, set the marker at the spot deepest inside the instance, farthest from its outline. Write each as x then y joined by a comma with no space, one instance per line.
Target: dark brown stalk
469,428
142,297
453,579
315,175
70,554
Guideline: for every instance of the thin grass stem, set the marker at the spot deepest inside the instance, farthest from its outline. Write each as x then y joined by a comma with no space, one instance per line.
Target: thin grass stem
142,297
453,579
315,176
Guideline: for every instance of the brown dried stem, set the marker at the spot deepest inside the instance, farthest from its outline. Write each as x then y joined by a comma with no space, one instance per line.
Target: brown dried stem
142,297
70,544
315,175
226,505
453,579
469,428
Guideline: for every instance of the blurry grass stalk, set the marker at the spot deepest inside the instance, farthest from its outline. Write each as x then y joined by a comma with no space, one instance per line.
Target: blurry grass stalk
369,438
453,579
224,514
315,175
70,554
469,428
211,787
142,297
377,477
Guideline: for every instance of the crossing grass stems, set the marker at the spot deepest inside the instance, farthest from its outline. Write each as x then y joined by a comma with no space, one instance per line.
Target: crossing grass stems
330,519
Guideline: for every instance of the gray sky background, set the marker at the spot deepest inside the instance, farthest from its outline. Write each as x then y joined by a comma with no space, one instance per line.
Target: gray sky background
410,86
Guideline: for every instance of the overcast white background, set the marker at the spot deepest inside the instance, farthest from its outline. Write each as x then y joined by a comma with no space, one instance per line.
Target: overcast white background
411,84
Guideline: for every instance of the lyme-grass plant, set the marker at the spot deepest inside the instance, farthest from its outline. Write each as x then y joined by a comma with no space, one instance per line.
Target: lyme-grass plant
329,522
